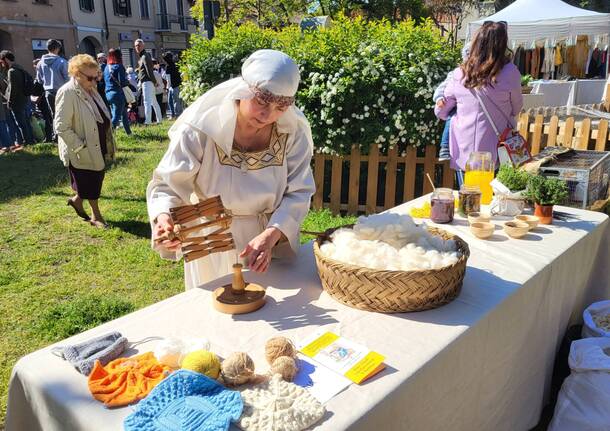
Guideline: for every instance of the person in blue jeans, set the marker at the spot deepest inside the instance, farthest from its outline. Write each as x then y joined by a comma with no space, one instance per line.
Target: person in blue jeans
5,139
174,80
115,79
439,100
15,94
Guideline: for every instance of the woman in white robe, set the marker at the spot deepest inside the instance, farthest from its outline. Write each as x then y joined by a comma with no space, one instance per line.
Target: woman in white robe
245,141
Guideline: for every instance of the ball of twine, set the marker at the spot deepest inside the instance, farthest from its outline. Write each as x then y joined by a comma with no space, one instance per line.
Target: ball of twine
204,362
237,369
286,367
277,347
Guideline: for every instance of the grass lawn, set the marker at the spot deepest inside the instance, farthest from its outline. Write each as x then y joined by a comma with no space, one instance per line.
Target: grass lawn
60,276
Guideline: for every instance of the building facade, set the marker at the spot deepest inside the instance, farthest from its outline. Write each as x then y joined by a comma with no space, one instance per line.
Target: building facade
26,25
92,26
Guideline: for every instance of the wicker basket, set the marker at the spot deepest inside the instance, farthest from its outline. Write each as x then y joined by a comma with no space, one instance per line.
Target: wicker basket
391,291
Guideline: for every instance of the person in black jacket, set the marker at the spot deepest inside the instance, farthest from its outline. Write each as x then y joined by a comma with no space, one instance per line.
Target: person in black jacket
173,78
16,96
101,84
146,79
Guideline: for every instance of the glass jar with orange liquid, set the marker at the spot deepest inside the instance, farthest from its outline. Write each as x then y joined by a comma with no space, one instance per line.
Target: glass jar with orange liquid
480,172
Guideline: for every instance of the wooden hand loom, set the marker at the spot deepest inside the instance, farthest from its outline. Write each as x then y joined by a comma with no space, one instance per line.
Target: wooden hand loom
237,297
196,247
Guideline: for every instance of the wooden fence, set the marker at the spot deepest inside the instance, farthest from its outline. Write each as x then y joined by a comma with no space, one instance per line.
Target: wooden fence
581,135
370,183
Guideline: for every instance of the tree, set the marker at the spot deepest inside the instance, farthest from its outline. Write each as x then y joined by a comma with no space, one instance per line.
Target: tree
266,13
334,7
279,13
393,10
501,4
449,14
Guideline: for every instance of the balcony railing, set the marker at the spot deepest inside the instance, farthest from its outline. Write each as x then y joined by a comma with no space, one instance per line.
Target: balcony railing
164,21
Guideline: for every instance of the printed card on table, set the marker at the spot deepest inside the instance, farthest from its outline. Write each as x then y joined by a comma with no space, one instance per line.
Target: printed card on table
343,356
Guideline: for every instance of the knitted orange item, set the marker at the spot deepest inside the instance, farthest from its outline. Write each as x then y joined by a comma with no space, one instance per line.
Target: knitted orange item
126,380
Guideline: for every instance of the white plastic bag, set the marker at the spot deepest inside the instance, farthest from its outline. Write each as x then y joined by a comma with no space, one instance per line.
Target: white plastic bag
590,329
505,202
584,398
171,351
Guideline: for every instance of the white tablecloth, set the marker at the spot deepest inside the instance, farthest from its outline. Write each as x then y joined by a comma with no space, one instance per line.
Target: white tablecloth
531,101
482,362
556,93
589,91
568,93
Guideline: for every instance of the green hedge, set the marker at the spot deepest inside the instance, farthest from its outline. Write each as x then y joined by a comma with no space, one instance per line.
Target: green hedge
361,82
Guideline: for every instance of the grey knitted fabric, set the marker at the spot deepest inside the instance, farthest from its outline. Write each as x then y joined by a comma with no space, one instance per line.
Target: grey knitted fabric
104,348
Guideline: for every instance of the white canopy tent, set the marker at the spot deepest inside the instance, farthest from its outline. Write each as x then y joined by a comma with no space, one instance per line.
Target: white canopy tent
553,20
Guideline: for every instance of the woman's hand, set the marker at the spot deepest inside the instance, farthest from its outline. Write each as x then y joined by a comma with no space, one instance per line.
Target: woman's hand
440,102
163,226
258,251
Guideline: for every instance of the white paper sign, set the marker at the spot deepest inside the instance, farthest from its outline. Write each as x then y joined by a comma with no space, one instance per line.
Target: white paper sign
320,381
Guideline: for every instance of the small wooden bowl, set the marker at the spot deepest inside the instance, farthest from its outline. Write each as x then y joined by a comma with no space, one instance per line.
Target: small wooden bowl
482,230
478,217
516,228
531,220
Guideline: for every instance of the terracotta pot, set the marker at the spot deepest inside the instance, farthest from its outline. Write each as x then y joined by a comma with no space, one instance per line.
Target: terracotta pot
544,213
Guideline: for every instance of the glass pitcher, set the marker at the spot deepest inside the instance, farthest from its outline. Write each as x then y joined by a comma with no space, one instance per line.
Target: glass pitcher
480,172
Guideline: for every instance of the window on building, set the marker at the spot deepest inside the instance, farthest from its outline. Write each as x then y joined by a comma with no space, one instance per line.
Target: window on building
86,5
144,11
180,9
121,7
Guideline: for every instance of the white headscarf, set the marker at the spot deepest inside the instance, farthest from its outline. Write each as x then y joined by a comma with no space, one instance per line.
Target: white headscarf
215,112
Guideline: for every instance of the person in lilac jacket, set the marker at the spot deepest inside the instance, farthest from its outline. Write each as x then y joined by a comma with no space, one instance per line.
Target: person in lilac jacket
489,72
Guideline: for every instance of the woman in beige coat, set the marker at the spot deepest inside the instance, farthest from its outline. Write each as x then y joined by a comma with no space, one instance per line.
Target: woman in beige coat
86,142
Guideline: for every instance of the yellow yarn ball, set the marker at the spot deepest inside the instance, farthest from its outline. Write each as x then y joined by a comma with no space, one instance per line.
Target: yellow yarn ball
202,361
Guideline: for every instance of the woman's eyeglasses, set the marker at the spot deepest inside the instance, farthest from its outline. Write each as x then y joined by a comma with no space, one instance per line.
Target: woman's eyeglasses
89,78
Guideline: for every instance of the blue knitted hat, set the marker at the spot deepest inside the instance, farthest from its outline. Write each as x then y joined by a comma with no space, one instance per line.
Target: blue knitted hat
186,401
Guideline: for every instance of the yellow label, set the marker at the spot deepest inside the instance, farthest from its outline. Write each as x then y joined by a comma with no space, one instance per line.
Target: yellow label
319,343
365,367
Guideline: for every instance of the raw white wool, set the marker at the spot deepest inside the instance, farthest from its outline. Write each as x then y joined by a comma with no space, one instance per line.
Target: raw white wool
390,241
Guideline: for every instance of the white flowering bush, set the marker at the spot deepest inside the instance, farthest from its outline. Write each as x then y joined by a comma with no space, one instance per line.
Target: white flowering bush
361,82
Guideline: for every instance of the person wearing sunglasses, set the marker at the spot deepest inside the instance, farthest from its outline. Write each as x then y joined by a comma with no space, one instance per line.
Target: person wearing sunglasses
487,85
85,140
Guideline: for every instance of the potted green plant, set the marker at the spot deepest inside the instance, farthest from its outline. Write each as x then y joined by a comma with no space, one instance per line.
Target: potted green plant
546,192
513,178
525,81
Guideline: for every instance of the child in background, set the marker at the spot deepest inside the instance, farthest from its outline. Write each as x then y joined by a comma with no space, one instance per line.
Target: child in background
439,100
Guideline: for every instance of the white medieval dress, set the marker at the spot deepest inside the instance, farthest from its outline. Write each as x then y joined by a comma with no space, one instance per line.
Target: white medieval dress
269,188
